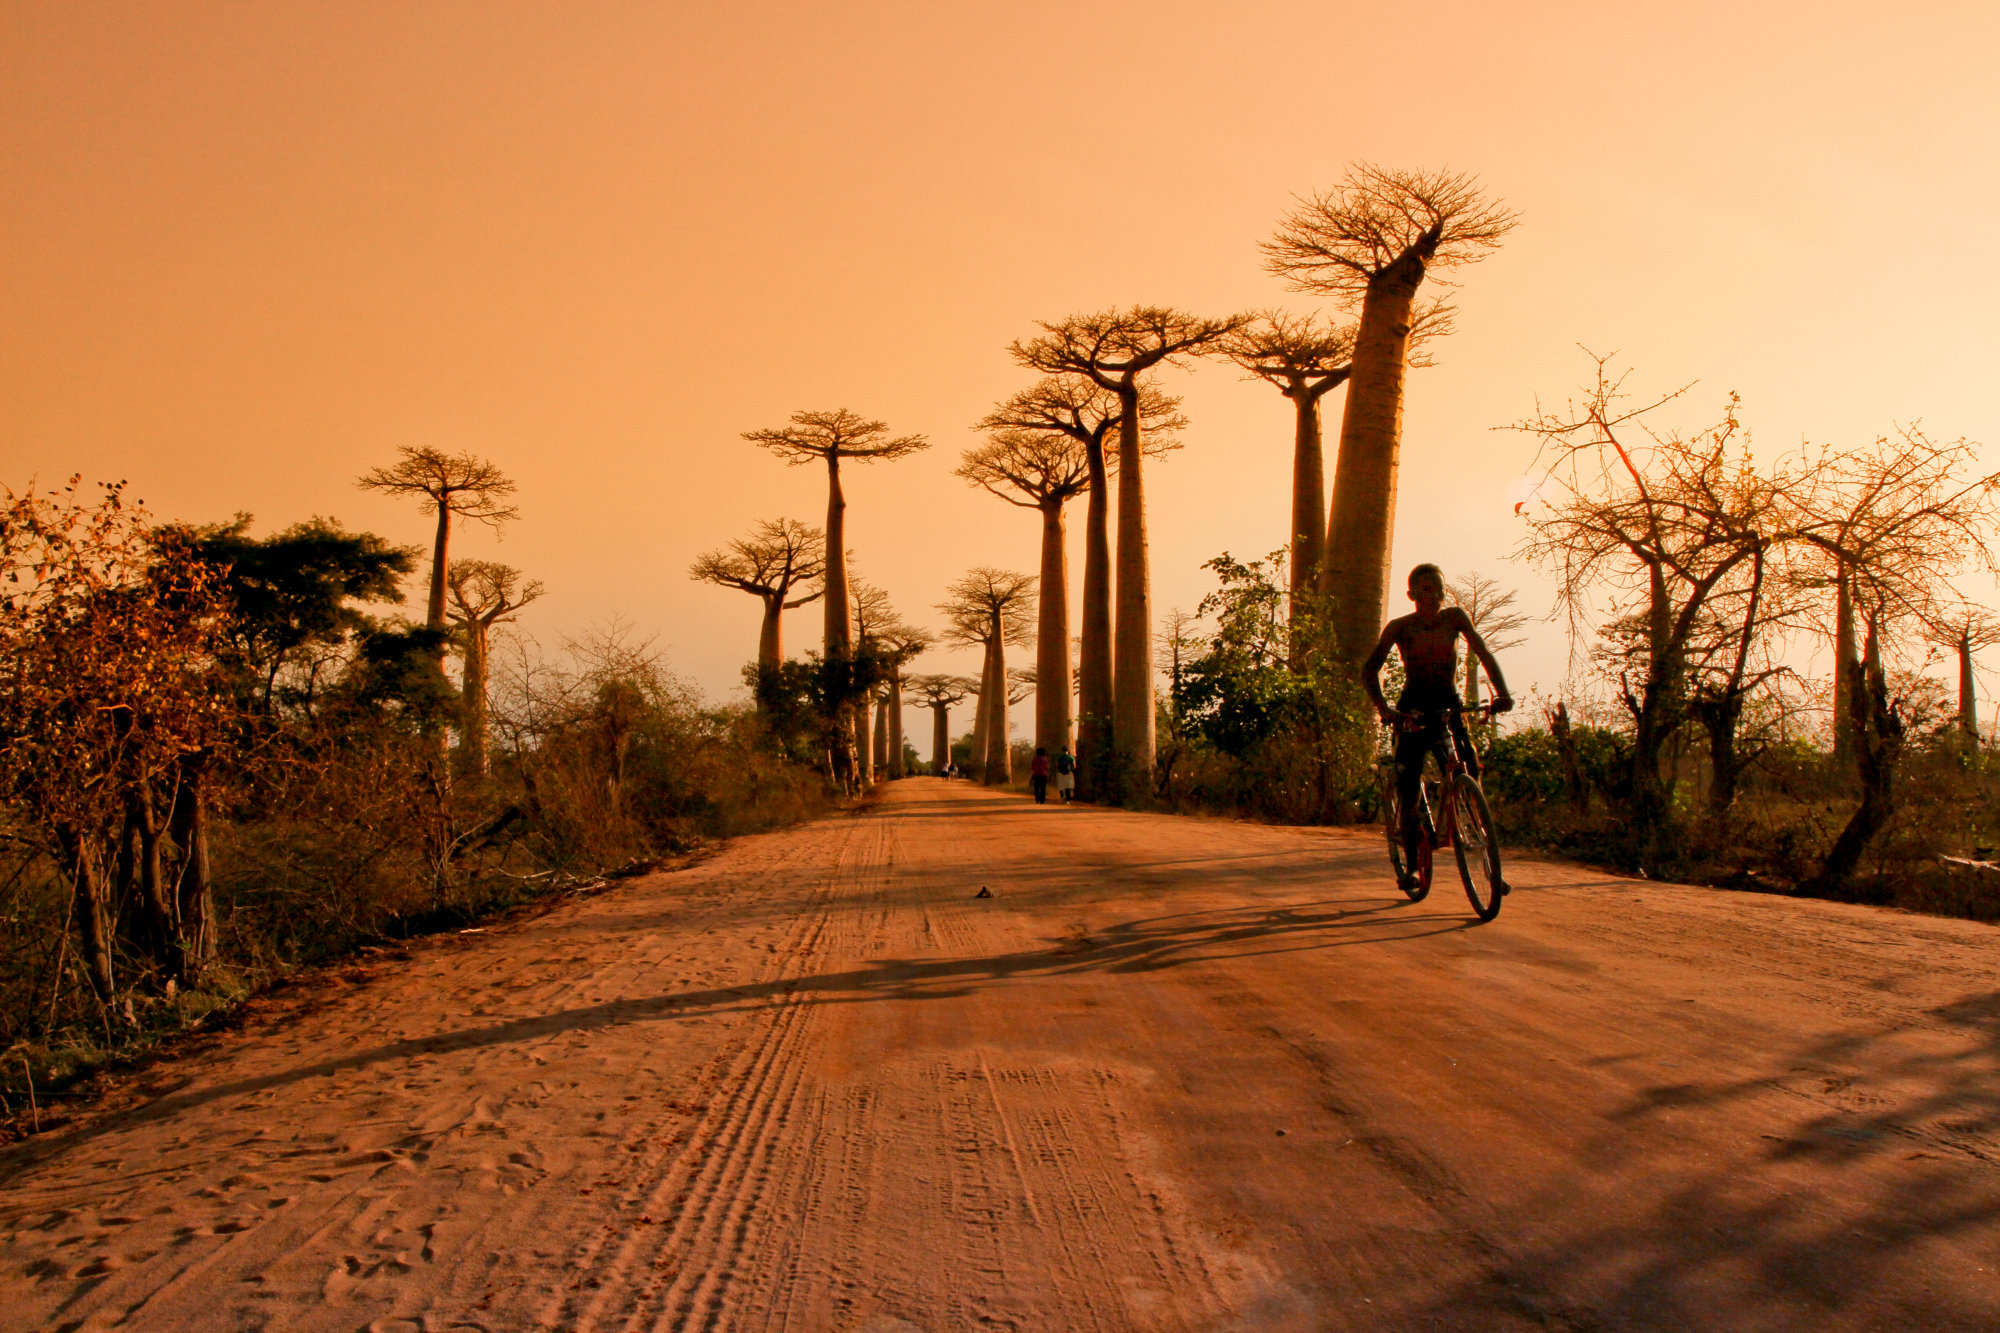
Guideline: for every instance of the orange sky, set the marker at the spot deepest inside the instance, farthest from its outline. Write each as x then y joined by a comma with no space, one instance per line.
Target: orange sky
246,250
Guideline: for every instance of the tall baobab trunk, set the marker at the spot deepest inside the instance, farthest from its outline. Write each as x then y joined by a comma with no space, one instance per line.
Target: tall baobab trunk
881,764
1308,493
1471,681
1968,703
434,612
940,738
896,726
770,636
1363,523
982,710
999,760
850,747
472,700
1095,692
1132,647
864,732
1052,648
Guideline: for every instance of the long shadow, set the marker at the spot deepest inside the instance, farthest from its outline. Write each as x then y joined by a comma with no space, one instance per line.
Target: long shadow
1138,946
1899,1137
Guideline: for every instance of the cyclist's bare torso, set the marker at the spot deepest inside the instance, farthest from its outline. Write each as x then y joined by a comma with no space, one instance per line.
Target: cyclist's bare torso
1429,649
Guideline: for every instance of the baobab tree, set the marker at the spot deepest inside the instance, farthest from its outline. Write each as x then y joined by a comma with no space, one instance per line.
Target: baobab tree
483,594
1042,471
1080,410
1305,358
461,484
988,607
1370,242
829,437
938,693
900,645
779,557
874,617
1486,604
1111,349
1965,630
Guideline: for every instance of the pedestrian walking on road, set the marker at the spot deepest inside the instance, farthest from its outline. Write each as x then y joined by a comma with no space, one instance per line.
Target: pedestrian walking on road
1038,776
1066,776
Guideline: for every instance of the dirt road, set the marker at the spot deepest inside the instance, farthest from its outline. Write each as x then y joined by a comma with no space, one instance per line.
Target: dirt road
1174,1074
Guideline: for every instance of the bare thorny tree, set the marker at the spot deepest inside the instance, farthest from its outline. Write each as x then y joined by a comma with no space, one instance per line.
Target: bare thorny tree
1700,551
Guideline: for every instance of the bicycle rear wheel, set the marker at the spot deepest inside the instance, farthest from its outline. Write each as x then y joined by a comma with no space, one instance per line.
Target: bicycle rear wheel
1392,827
1478,850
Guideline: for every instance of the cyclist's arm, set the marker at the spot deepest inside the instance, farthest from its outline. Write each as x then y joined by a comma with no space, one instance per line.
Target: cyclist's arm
1371,672
1502,700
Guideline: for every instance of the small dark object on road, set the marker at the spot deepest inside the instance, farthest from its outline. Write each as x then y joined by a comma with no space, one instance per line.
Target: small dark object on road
984,892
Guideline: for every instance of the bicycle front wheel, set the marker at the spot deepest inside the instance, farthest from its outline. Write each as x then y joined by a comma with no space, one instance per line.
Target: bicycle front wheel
1478,850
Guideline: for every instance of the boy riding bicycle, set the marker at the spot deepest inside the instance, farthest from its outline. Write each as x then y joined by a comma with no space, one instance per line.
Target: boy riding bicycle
1428,641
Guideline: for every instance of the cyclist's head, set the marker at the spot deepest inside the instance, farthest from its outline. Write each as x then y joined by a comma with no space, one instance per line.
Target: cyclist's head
1427,583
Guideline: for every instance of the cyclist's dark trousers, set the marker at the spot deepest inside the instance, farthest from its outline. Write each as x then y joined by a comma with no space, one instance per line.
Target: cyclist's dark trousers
1411,747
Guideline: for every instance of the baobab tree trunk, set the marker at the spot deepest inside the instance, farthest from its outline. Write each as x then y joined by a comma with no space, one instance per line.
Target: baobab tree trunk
472,701
1052,647
434,613
1363,523
940,738
1095,692
982,711
838,639
896,726
1471,681
864,731
999,755
770,636
1132,670
1308,494
1968,703
881,764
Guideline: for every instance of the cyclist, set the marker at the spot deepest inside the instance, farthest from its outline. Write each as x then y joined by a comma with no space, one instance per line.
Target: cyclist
1428,640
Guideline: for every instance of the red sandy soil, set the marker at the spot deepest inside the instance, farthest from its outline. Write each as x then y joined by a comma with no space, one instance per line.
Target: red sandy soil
1175,1074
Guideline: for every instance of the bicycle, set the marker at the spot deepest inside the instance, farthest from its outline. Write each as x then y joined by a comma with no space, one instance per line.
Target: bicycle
1467,827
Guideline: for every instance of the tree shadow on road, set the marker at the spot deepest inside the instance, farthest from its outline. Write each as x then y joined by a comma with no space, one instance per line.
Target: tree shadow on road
1871,1200
1139,945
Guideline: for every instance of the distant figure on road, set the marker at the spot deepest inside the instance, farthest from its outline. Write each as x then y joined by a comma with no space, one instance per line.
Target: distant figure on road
1038,775
1066,776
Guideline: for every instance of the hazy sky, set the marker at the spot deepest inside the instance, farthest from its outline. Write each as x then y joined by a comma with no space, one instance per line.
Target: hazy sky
247,250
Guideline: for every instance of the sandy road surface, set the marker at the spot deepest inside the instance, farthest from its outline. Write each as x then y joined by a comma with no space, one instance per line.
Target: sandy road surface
1174,1075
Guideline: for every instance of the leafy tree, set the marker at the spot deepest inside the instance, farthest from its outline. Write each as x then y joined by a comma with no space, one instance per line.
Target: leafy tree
294,592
